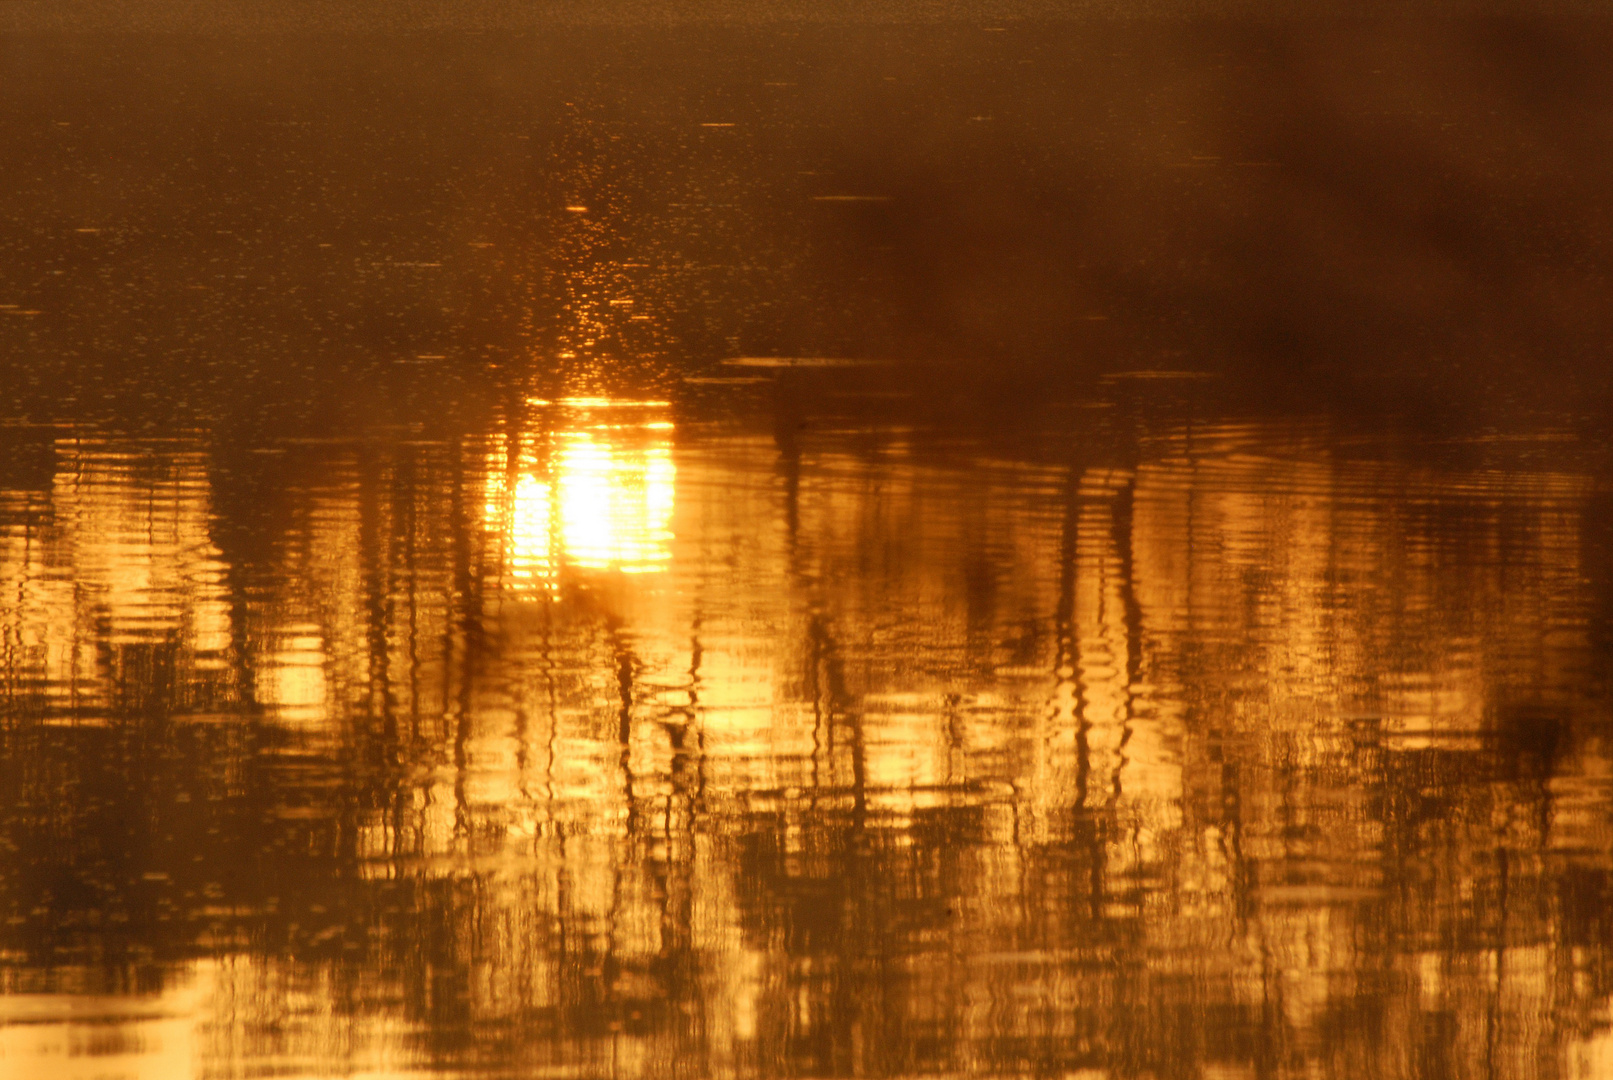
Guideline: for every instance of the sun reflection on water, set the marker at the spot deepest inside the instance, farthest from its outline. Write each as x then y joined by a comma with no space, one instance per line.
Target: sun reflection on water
591,487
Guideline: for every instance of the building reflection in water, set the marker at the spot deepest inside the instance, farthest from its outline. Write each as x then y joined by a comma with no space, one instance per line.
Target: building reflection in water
585,749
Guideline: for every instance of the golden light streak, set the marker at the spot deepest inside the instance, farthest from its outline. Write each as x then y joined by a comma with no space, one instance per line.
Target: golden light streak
592,492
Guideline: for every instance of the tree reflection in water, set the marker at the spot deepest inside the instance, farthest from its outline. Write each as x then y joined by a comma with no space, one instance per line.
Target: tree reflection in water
421,654
600,747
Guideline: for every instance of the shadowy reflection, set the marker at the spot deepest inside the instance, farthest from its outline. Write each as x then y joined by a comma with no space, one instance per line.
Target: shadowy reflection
604,746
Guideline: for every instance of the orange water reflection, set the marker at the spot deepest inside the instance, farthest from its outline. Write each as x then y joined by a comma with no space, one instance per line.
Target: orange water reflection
1262,754
592,488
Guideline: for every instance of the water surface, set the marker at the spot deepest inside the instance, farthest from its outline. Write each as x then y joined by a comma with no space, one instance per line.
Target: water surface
950,551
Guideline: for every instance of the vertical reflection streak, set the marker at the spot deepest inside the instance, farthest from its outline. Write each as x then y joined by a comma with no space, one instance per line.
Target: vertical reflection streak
551,700
1067,651
626,669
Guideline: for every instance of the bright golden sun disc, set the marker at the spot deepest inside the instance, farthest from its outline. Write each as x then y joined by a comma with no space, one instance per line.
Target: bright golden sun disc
592,491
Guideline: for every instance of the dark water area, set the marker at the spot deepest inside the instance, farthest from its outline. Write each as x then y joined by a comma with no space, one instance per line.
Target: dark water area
1006,549
334,229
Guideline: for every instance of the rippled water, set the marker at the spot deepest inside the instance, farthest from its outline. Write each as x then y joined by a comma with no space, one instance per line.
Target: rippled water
866,618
